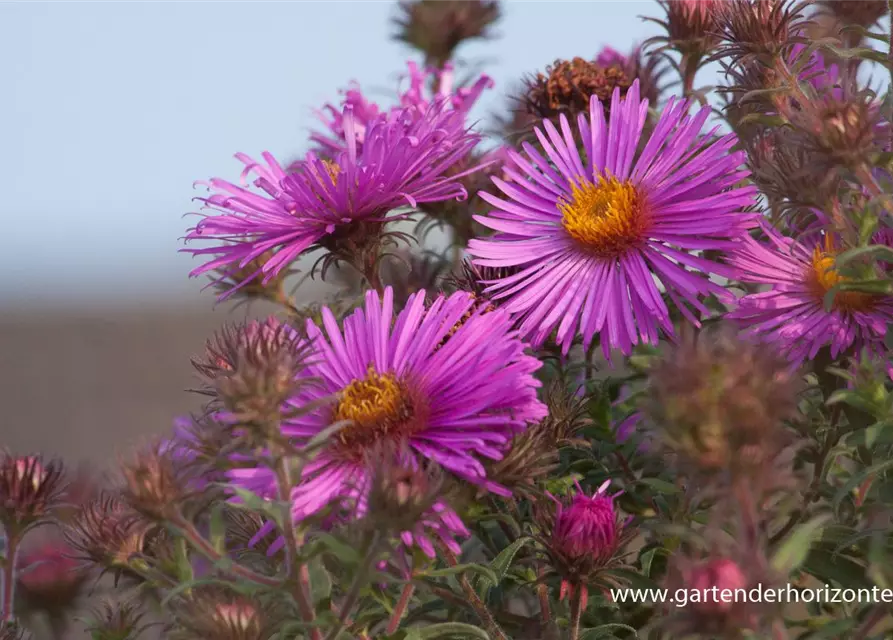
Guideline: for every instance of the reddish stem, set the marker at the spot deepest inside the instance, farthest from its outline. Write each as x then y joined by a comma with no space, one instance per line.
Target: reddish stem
8,583
400,609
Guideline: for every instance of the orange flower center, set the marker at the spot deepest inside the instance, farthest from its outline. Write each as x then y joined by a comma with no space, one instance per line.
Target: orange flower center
824,276
608,218
378,406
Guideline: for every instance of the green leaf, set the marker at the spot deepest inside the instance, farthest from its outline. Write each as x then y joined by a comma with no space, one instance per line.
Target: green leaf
321,438
834,629
791,554
661,486
344,552
606,631
857,479
503,562
829,566
253,502
320,580
447,630
481,570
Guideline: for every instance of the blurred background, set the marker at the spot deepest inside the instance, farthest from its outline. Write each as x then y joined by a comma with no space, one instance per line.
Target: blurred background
111,111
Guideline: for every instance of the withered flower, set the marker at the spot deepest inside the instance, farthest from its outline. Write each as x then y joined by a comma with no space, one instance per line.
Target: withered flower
117,620
108,533
240,281
567,86
31,488
690,26
865,13
762,30
252,369
534,453
213,612
154,485
438,27
720,402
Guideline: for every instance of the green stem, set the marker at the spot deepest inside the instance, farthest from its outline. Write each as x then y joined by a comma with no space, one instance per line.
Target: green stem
361,578
400,608
576,612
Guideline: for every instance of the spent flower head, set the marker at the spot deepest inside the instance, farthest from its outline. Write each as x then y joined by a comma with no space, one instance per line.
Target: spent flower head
117,620
214,612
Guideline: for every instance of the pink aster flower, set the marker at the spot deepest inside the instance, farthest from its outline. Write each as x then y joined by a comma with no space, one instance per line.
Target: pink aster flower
417,95
610,57
588,526
792,314
406,160
451,381
592,238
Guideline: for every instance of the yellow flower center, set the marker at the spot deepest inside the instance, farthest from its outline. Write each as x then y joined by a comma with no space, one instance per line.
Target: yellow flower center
333,169
824,277
379,406
608,218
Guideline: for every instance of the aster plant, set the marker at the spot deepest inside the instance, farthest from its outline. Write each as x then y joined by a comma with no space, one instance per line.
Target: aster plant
650,368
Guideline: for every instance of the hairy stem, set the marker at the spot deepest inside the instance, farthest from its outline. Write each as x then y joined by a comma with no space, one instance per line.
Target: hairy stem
576,612
475,601
302,588
361,578
400,608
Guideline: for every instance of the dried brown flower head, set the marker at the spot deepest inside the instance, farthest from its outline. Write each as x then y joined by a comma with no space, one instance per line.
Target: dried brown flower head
154,484
567,86
720,402
758,29
438,27
117,620
865,13
212,612
690,26
30,490
108,533
247,284
534,453
252,369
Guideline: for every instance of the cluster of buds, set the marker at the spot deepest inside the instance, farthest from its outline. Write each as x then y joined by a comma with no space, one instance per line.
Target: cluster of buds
31,488
583,536
720,402
252,369
438,27
112,620
211,612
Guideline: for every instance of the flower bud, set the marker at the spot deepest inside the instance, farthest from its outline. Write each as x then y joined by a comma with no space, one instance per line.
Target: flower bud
722,573
763,29
30,489
154,485
582,535
438,27
111,620
49,579
691,27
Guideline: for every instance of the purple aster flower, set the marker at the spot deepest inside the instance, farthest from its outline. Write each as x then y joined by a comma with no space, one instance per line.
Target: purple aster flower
452,385
406,160
592,239
365,111
610,57
792,314
462,99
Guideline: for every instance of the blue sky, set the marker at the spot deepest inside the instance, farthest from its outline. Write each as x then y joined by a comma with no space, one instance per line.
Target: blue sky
112,110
